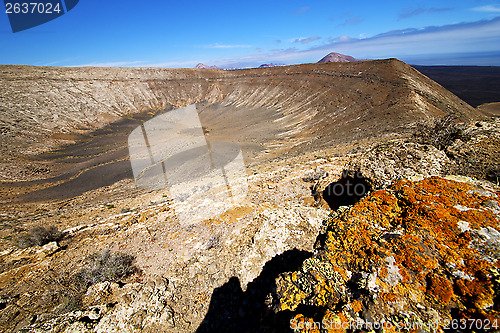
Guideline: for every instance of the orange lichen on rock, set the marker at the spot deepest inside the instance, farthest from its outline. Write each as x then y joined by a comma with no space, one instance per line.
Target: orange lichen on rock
425,244
383,272
440,288
389,297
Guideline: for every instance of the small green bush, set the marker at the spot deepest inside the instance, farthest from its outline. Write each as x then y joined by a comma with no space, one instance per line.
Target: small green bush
106,266
39,236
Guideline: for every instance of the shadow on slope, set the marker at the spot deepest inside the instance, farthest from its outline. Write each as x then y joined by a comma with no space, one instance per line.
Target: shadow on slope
234,310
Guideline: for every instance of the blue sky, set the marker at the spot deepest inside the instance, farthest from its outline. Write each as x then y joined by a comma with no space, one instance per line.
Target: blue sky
244,34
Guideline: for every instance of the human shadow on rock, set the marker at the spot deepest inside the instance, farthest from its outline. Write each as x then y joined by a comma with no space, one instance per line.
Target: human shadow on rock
234,310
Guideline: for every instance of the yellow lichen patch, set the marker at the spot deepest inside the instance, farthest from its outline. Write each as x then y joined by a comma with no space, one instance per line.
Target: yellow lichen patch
290,294
331,323
342,272
301,323
389,297
406,276
382,272
356,306
142,219
229,216
435,263
335,322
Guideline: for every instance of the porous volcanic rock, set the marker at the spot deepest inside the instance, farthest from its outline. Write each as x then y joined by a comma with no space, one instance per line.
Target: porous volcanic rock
478,156
417,253
393,160
475,154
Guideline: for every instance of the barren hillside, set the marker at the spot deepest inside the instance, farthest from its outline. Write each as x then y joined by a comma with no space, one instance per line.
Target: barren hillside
83,248
308,105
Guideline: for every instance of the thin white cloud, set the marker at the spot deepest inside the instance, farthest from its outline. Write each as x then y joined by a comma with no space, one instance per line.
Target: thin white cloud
113,64
305,40
52,63
60,62
412,11
343,38
488,9
226,46
479,36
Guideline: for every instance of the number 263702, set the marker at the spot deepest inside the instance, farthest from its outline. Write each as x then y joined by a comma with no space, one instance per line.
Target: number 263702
32,8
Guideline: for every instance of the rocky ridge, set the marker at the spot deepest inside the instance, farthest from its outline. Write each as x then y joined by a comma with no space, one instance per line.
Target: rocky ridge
282,254
359,99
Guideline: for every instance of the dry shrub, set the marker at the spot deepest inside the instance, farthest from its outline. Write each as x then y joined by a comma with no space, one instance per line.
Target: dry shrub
39,236
441,133
106,266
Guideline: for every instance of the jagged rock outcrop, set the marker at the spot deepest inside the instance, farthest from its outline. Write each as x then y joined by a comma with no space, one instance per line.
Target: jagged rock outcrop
393,160
478,155
416,254
473,153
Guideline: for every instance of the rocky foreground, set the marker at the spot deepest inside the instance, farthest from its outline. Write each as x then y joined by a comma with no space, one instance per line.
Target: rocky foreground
418,255
421,251
391,220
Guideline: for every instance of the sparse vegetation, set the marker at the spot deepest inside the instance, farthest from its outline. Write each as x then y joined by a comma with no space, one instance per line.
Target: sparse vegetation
440,133
106,266
39,236
472,149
